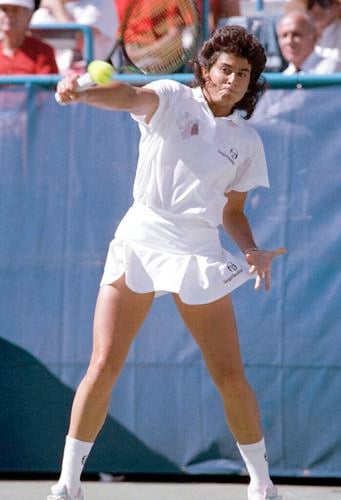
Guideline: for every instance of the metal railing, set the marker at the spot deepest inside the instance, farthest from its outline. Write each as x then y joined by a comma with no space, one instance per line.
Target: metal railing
66,30
274,80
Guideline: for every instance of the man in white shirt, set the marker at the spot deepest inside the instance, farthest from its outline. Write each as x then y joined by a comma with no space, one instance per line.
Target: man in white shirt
297,37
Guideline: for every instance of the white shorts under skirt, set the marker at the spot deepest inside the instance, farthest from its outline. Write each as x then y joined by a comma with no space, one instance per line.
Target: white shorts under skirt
172,254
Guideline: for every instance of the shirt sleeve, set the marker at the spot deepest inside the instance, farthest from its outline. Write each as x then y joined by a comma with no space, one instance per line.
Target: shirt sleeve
253,172
167,91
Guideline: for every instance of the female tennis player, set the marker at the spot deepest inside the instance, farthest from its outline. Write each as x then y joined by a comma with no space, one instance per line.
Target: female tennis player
198,158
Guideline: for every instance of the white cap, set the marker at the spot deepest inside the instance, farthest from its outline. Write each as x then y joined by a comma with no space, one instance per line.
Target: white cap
29,4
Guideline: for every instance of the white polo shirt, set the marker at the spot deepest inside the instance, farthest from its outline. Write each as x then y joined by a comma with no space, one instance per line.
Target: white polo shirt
189,159
168,240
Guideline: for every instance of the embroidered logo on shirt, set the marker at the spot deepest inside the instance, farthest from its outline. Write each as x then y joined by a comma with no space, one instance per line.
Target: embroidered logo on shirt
232,155
187,125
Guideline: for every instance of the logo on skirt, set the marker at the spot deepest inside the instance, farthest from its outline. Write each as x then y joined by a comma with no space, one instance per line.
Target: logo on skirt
233,269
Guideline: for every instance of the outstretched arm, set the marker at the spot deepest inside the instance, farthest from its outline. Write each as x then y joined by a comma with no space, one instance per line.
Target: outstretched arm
113,96
236,224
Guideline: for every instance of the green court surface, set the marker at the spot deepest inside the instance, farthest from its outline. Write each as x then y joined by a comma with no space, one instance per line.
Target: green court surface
38,490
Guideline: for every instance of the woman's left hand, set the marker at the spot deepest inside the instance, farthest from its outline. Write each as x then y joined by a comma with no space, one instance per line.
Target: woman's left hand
260,262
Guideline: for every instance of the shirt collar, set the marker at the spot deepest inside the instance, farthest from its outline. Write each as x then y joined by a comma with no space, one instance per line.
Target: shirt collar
308,65
199,96
290,70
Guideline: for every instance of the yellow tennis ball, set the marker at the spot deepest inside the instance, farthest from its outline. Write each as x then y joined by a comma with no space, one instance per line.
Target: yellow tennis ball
100,72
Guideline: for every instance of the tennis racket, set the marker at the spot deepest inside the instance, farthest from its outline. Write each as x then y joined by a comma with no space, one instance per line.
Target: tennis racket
156,36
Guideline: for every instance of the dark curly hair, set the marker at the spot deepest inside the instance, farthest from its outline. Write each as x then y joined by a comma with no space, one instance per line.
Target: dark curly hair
239,42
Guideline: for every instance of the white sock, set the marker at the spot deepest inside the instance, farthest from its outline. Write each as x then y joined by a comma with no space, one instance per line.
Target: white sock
75,455
254,456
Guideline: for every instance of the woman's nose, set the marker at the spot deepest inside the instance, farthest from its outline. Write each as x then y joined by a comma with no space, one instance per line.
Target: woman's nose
232,78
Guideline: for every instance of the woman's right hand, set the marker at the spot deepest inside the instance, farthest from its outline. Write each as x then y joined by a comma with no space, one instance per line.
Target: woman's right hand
67,89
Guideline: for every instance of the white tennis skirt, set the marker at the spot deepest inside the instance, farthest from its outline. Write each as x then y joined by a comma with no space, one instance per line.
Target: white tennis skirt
161,252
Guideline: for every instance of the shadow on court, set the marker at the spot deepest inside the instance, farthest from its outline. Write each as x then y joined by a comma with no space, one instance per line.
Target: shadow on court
36,417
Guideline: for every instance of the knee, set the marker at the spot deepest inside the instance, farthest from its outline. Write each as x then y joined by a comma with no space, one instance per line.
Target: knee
103,369
230,381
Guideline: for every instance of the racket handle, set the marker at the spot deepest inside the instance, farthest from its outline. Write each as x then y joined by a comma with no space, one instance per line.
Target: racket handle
83,82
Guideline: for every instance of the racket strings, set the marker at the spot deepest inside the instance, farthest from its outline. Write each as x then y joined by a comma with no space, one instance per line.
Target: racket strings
159,37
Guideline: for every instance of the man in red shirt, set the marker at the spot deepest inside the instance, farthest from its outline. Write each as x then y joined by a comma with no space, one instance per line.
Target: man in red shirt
20,53
217,9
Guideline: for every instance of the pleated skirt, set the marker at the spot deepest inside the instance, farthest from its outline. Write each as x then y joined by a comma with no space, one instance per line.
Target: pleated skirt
162,252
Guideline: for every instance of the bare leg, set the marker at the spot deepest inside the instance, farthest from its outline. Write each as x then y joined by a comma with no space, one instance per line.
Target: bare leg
118,316
214,329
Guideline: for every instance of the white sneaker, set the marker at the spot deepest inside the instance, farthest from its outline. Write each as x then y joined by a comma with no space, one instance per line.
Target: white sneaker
271,494
62,494
257,494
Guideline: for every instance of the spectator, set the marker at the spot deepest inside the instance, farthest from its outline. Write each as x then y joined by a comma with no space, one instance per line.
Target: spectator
326,14
19,52
297,36
217,9
100,15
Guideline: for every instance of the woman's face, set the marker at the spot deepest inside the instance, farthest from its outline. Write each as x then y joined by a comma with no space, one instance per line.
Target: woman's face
226,82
